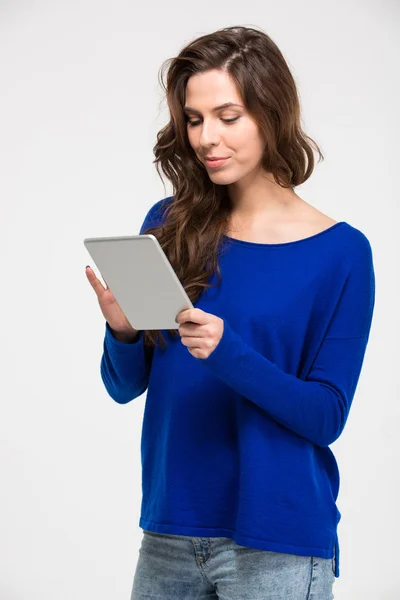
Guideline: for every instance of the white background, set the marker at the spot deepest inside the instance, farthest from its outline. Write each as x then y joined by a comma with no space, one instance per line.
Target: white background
80,107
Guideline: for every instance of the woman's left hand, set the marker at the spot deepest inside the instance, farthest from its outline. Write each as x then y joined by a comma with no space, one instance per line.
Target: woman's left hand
200,331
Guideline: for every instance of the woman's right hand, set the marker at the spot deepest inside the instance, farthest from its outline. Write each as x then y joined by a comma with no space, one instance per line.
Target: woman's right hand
110,308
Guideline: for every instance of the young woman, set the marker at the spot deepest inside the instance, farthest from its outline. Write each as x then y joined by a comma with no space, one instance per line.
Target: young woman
246,395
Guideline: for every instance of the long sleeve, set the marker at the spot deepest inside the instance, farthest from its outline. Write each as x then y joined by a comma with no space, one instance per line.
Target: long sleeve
125,368
317,406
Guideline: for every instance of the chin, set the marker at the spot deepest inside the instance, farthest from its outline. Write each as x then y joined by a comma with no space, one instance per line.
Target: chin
224,178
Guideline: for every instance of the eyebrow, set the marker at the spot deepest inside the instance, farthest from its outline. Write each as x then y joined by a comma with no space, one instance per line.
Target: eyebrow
226,105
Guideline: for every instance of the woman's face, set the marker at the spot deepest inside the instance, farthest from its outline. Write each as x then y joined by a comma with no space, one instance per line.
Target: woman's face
210,134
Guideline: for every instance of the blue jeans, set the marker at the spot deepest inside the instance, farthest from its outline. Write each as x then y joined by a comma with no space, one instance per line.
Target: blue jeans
178,567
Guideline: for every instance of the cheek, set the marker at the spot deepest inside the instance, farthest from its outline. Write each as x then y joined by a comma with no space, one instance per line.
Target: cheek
248,134
191,137
249,145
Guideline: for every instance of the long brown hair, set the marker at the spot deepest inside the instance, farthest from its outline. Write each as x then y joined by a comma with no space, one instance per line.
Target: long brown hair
197,217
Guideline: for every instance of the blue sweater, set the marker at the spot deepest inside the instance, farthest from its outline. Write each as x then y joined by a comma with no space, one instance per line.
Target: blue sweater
237,444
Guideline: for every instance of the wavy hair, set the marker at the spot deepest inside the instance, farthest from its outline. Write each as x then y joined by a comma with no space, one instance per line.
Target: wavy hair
197,217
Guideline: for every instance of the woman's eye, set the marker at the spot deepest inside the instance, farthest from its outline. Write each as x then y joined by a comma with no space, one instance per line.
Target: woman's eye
194,123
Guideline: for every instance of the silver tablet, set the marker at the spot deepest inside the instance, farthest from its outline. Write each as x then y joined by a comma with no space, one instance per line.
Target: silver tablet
142,279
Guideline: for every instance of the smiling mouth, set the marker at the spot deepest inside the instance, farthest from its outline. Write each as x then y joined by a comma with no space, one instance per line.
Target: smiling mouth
216,163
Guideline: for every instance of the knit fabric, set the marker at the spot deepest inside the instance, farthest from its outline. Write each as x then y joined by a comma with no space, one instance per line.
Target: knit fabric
237,444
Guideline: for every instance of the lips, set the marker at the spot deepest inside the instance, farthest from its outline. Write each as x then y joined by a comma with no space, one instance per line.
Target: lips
214,164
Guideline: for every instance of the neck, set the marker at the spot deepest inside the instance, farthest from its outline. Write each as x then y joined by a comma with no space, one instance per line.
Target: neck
260,196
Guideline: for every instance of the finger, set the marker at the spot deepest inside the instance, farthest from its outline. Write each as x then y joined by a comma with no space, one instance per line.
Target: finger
105,283
94,281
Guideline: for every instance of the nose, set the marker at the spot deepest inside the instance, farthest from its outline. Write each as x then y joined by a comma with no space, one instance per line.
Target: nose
209,135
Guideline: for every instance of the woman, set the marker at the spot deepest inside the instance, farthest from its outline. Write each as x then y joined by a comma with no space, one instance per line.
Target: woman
244,398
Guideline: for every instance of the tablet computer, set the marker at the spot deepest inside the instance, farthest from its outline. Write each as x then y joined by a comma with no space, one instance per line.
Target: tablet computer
142,279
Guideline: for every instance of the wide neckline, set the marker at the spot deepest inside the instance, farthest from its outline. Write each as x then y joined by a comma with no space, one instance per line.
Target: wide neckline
259,244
